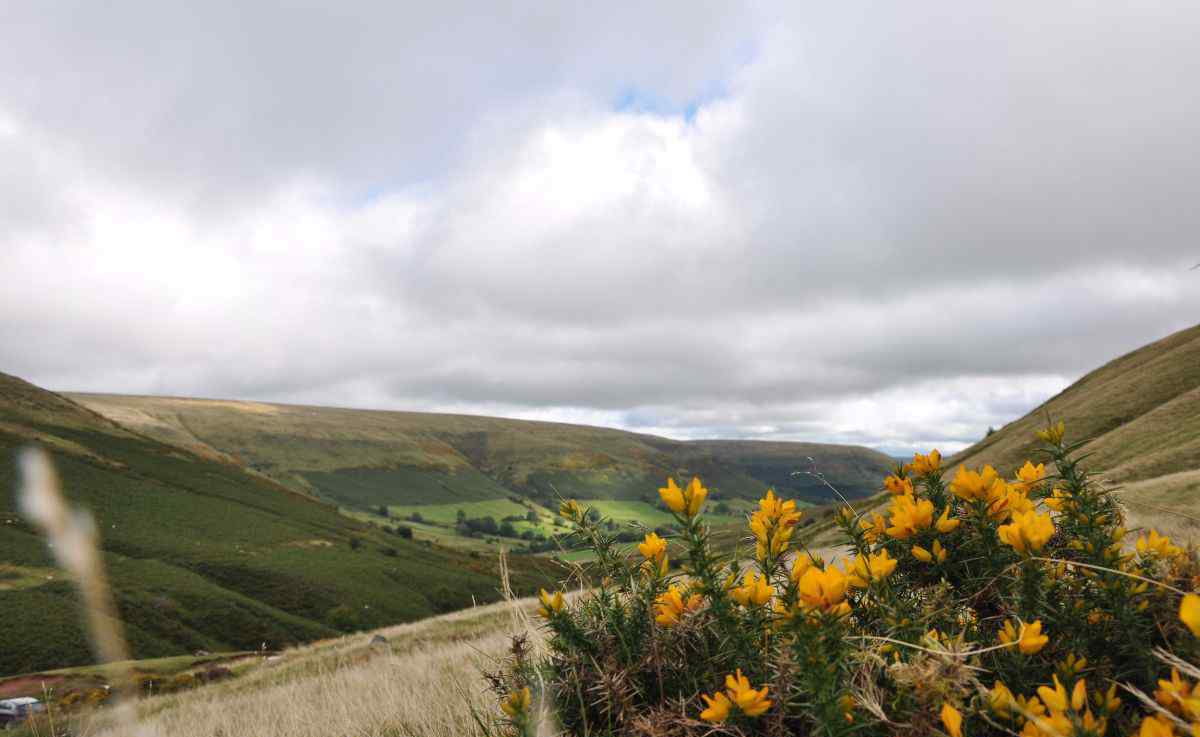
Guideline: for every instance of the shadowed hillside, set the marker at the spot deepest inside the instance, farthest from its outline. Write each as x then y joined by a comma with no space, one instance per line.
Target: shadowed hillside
364,458
202,554
1140,418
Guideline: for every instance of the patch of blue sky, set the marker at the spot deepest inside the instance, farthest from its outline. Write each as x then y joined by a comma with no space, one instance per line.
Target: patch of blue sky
633,99
416,188
638,100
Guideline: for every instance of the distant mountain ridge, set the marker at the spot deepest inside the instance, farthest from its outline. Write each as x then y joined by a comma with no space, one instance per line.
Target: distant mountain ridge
368,457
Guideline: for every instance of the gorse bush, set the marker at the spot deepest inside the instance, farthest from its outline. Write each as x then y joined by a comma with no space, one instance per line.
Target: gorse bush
973,605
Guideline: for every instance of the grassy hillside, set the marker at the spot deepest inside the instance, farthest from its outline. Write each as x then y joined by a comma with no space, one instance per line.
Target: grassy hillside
1140,418
364,458
424,683
203,555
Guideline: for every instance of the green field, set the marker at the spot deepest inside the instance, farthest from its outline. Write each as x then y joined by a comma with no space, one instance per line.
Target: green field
447,514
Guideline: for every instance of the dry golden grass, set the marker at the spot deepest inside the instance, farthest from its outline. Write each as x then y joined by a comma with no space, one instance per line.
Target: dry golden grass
422,684
1164,504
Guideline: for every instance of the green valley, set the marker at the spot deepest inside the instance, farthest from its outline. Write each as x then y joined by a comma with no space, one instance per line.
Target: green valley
202,554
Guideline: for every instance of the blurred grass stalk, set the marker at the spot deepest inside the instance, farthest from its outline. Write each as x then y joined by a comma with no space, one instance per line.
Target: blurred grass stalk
73,539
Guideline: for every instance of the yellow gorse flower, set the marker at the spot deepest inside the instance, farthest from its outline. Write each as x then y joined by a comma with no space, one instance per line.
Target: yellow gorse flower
571,510
1003,500
1055,698
1178,695
686,501
951,720
1062,712
898,486
1156,544
924,465
773,524
550,605
754,591
654,549
1058,500
824,590
974,485
1027,532
874,528
775,508
672,604
874,567
752,702
938,553
718,709
1157,726
909,516
738,692
1189,613
1014,501
1053,434
802,563
1029,638
847,703
945,523
1000,699
1029,475
516,703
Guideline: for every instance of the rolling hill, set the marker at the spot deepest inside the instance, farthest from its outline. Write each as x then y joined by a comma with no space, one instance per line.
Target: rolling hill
364,458
1139,418
202,554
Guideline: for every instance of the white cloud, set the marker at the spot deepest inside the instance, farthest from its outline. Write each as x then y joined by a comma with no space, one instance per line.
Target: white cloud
894,228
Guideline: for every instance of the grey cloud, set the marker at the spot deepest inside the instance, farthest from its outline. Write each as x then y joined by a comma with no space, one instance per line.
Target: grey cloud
894,226
216,100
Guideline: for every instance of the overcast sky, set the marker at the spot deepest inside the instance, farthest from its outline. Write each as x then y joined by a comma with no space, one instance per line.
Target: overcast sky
884,223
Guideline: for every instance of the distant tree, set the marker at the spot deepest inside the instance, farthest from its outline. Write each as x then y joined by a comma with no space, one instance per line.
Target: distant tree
355,542
383,510
416,517
460,516
507,530
723,508
478,526
404,531
991,431
531,517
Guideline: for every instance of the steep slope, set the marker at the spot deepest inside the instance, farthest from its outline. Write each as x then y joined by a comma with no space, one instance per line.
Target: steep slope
203,555
363,458
1139,416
